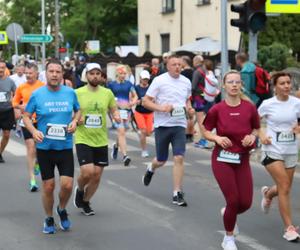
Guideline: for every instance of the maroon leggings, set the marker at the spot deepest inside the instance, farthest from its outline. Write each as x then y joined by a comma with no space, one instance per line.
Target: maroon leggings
235,181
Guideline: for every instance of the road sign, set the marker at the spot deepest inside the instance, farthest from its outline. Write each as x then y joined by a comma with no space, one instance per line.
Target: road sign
14,31
283,6
3,37
36,38
62,50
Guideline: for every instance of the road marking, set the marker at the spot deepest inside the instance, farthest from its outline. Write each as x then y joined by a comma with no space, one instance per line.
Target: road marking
253,243
168,163
128,147
140,197
119,167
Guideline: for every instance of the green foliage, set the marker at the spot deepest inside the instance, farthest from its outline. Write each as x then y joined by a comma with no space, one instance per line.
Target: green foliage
111,21
274,57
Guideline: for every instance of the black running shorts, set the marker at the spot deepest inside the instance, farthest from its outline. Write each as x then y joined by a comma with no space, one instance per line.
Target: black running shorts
7,119
95,155
48,159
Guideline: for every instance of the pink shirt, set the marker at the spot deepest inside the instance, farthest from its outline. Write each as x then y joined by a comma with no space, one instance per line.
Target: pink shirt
233,122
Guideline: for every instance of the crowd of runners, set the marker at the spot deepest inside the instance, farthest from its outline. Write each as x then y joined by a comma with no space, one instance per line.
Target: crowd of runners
54,112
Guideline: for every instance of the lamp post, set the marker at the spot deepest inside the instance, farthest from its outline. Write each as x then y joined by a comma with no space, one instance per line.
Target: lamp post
43,33
57,29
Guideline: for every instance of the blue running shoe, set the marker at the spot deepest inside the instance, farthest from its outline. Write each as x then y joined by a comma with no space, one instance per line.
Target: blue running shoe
64,223
202,143
49,226
114,151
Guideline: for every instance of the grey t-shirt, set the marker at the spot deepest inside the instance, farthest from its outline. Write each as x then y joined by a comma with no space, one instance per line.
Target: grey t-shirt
7,89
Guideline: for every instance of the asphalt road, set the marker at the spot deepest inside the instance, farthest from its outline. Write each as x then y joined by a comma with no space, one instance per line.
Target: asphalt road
130,216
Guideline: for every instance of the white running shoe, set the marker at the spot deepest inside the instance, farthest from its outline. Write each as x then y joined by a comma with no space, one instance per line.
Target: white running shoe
229,244
265,202
145,154
236,230
291,234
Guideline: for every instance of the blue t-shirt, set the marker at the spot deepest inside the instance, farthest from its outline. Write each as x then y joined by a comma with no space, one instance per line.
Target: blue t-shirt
54,111
121,91
141,92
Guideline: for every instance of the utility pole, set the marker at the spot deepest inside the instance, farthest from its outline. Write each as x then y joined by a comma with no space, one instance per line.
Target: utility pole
43,33
224,41
57,29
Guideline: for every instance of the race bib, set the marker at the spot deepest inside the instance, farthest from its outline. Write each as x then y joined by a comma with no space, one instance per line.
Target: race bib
285,137
225,156
178,112
56,131
124,114
3,97
93,121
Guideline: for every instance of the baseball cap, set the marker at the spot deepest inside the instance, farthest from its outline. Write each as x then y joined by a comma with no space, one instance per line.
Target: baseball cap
144,74
91,66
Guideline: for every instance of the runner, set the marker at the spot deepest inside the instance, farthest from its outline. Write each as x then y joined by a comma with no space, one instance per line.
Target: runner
168,95
20,101
126,98
143,116
280,148
236,122
91,135
54,105
7,116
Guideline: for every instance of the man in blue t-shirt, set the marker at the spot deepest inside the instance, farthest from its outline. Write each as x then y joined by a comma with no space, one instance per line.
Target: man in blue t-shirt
54,105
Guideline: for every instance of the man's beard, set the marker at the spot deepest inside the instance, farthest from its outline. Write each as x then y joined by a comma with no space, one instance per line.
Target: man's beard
94,83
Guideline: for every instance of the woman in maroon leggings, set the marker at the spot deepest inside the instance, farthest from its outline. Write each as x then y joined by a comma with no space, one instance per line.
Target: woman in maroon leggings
236,122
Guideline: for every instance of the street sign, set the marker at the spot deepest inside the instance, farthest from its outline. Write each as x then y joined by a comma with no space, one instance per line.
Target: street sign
3,37
283,6
36,38
14,31
62,50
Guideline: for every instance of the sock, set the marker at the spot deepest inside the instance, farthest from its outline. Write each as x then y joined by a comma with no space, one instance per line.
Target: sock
175,192
150,168
228,238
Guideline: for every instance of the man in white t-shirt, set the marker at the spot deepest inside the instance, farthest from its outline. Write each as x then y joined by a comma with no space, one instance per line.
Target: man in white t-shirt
19,76
168,95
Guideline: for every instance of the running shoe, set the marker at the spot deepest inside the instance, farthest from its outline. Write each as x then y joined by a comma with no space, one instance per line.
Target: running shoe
202,143
147,177
49,226
64,223
36,168
78,198
126,160
86,208
114,151
33,186
291,234
179,200
236,230
145,154
265,202
1,159
229,244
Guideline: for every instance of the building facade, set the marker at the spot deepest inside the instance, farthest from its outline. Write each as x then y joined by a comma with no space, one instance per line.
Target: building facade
164,25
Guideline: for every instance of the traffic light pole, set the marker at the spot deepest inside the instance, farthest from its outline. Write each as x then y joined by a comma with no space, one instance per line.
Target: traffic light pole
224,42
253,46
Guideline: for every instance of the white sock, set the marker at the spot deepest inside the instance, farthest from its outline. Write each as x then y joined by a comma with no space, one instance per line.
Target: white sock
229,237
150,168
175,192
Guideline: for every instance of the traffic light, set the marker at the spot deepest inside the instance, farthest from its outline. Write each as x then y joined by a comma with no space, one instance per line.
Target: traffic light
241,23
256,15
252,15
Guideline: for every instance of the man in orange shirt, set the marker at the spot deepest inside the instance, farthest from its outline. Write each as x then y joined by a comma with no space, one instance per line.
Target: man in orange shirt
20,101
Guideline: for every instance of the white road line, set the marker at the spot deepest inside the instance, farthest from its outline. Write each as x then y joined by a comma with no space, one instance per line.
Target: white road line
250,242
140,197
168,163
119,167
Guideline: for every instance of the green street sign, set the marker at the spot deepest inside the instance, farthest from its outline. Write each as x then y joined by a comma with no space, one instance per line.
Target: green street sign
36,38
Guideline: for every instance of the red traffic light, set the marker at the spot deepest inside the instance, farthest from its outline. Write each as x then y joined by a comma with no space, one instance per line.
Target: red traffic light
256,5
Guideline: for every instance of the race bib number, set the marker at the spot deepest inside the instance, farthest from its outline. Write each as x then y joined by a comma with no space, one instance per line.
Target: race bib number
3,97
124,114
178,112
285,137
225,156
56,131
93,121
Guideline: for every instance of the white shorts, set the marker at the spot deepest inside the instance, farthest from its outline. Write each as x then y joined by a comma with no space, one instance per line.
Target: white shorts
290,161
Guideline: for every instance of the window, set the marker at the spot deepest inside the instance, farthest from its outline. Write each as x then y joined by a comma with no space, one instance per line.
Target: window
165,43
147,42
168,6
203,2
